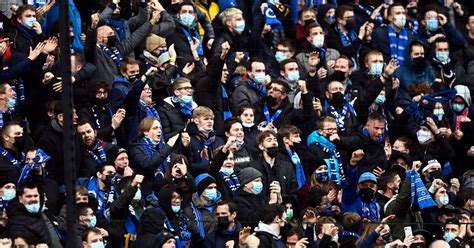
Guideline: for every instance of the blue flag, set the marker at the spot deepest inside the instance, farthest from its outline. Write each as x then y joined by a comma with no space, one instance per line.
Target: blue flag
271,19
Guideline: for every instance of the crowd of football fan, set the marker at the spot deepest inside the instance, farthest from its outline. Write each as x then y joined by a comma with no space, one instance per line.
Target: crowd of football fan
240,123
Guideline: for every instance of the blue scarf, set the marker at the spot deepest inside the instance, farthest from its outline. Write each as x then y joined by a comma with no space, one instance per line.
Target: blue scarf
267,114
114,54
9,157
441,96
398,46
149,147
133,218
232,181
369,10
184,235
101,159
119,26
346,38
419,193
414,26
370,210
186,108
270,18
317,3
321,50
21,94
347,234
41,157
150,110
258,87
225,98
300,176
339,116
104,199
199,220
334,163
206,144
200,51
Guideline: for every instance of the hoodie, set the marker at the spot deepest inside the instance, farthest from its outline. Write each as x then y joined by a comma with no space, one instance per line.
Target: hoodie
268,237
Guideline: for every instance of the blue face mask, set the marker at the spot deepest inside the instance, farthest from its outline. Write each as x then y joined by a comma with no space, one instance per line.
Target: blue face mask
280,56
187,99
175,209
259,77
449,236
458,107
331,19
293,76
227,171
29,22
376,69
92,221
97,245
380,100
432,24
239,26
322,176
257,188
33,208
8,194
186,19
439,113
138,195
210,194
442,56
444,200
11,103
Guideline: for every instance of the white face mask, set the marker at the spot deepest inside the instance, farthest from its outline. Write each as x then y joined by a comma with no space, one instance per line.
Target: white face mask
400,20
423,135
318,40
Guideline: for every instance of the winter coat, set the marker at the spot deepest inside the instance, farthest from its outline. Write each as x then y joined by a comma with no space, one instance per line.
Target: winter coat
206,211
243,95
219,237
197,159
250,207
381,41
172,120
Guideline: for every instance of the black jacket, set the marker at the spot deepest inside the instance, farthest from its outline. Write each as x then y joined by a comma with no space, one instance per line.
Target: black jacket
219,237
20,221
284,173
286,107
250,207
172,120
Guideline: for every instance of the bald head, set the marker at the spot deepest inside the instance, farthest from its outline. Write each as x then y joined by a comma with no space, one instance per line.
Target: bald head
439,244
102,33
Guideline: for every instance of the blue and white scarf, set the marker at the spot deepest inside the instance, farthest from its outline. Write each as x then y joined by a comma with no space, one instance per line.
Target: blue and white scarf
101,159
346,38
419,193
119,27
334,163
226,108
257,86
40,158
232,181
21,93
299,172
270,18
369,10
113,53
339,116
186,108
200,51
9,157
414,26
149,147
267,114
317,3
370,210
150,110
398,46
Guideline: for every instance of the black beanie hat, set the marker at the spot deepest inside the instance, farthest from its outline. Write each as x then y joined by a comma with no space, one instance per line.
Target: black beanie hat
202,181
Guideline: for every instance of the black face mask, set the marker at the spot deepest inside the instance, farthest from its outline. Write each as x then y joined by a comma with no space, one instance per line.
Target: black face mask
337,99
101,102
412,12
308,22
111,41
120,170
349,24
339,76
223,222
437,174
132,78
271,101
418,245
366,194
108,180
419,63
272,152
19,142
387,237
284,229
297,146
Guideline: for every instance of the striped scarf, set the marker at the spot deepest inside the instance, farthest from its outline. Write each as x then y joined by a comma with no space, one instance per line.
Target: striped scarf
149,146
419,193
101,159
206,144
114,54
369,10
40,158
339,116
398,46
346,38
232,181
334,162
186,108
257,86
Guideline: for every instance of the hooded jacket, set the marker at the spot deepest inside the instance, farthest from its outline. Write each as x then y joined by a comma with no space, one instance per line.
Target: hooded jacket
267,236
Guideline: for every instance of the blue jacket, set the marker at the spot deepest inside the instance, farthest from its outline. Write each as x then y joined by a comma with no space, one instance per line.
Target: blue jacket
351,201
120,89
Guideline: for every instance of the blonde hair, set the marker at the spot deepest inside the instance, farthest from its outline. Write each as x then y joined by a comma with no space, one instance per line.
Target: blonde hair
202,111
228,14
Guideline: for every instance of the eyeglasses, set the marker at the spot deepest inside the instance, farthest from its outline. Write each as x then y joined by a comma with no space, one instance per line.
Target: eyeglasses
186,88
147,89
277,89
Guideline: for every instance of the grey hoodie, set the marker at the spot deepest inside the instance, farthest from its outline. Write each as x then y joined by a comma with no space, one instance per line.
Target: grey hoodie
464,93
262,227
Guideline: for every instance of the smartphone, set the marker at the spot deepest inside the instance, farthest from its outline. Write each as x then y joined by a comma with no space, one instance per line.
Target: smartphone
408,231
